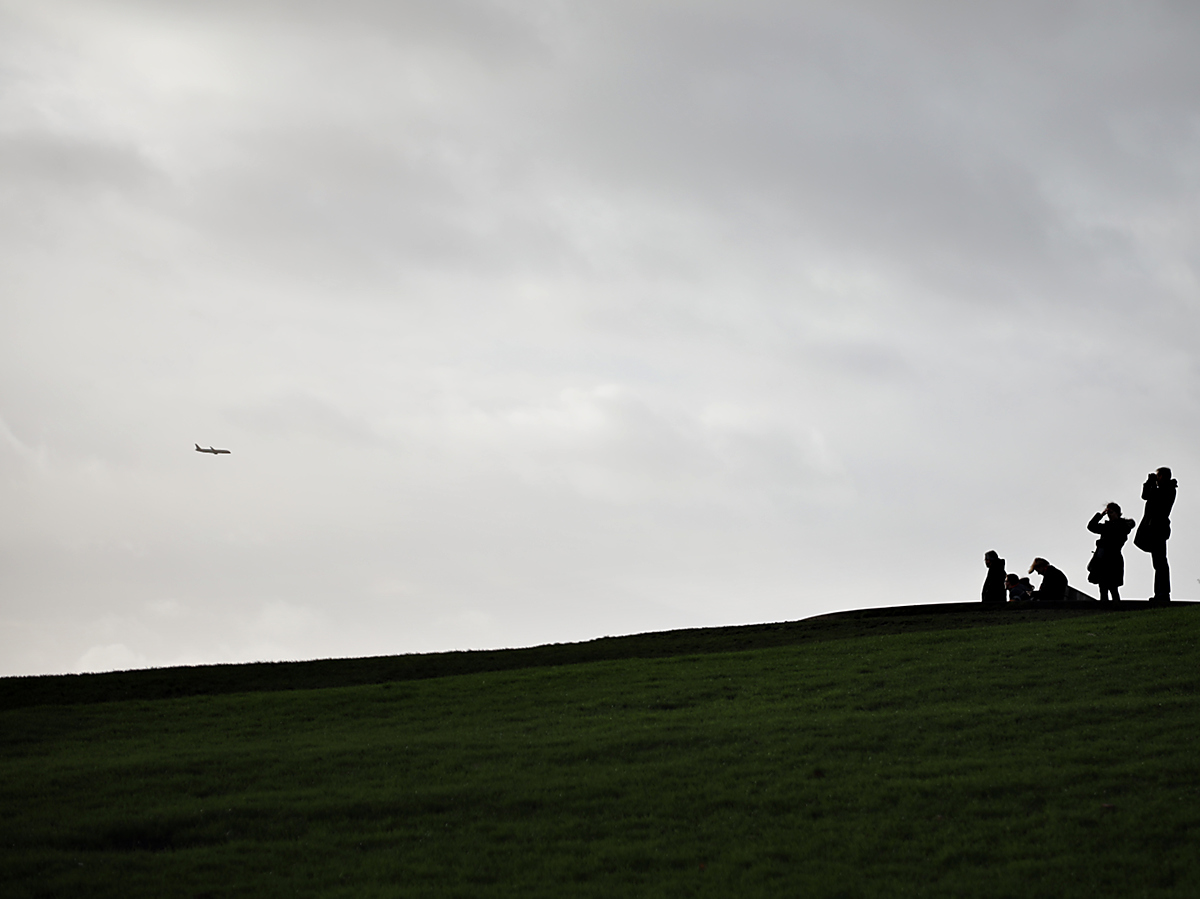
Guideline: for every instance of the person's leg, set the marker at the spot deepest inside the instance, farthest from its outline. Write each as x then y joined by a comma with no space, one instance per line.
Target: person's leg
1162,573
1103,593
1116,592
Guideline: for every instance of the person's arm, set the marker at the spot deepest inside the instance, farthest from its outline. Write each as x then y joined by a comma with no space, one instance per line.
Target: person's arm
1094,524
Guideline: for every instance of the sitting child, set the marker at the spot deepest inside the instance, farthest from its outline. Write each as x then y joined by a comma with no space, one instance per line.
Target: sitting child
1019,589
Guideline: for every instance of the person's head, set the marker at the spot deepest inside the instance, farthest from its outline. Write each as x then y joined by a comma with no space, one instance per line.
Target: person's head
1039,565
1011,581
1164,475
1113,510
991,557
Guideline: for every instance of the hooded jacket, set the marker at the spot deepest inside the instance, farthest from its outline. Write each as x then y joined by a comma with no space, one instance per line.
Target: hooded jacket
993,585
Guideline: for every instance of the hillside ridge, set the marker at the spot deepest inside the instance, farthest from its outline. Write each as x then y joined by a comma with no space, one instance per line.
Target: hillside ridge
250,677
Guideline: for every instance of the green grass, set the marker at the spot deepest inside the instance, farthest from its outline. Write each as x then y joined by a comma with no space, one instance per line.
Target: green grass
1049,757
169,683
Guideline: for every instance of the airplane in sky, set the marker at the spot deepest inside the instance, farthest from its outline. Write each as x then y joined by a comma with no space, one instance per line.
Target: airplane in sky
215,452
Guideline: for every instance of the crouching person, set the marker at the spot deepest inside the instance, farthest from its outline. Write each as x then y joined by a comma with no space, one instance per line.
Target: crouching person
1019,588
1054,582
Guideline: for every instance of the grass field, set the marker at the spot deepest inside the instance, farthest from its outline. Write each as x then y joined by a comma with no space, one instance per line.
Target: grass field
1050,756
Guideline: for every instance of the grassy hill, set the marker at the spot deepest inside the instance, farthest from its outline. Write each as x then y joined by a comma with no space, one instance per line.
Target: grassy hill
939,752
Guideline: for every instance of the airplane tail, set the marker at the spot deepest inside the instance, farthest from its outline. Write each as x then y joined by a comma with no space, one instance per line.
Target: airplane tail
197,447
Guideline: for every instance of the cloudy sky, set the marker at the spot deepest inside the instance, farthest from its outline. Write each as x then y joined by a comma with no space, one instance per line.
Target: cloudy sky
539,321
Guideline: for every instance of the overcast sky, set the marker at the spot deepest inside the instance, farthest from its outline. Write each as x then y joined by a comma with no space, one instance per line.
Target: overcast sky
531,322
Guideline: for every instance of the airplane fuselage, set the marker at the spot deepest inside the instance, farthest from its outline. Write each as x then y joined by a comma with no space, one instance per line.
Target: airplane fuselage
215,452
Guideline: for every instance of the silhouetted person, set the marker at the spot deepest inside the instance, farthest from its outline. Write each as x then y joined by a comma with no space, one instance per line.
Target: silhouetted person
1019,588
993,584
1155,529
1054,582
1107,568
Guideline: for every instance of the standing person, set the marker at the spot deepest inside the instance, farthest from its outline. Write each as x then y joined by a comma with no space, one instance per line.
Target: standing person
1155,528
1107,568
993,584
1054,582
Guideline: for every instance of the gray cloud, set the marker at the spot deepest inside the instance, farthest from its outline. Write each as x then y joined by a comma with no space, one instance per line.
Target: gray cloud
533,322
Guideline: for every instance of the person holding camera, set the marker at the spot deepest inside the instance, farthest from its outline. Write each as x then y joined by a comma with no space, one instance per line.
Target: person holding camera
1107,568
1155,529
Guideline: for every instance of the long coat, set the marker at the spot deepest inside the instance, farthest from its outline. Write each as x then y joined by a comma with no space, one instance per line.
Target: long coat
1155,527
1107,567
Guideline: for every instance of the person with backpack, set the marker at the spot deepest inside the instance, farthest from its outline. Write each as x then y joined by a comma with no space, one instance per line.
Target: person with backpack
1155,529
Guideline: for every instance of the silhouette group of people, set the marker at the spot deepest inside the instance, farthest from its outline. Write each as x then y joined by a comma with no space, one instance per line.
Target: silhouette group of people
1107,567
